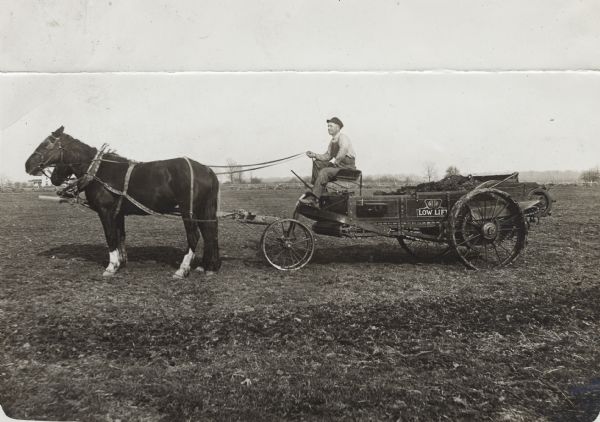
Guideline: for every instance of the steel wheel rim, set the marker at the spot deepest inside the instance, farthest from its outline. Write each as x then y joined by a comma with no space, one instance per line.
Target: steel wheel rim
488,229
546,201
287,244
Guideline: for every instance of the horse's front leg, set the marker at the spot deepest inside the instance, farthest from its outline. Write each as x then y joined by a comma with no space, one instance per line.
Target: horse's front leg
184,268
110,226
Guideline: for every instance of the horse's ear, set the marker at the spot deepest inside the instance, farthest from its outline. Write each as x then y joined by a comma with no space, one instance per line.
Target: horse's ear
58,131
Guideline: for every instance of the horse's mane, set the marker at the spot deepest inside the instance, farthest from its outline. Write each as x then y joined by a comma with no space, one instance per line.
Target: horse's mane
110,154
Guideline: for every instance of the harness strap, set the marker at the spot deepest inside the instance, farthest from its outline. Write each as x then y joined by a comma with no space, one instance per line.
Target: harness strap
191,188
90,173
125,187
142,206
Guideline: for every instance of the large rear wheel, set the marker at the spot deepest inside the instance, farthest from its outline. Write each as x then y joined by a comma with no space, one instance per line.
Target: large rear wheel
287,244
487,229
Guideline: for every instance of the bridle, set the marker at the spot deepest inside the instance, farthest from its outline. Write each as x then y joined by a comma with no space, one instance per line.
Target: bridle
44,164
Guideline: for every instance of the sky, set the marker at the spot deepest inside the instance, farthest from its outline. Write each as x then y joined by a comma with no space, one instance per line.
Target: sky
486,86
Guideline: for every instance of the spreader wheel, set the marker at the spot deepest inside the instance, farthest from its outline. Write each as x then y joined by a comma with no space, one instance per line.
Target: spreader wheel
287,244
487,229
545,201
423,250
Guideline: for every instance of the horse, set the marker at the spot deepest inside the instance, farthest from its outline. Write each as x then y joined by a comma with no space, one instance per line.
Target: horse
115,187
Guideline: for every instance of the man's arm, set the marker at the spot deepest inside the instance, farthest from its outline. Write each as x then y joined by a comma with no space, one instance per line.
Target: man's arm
326,156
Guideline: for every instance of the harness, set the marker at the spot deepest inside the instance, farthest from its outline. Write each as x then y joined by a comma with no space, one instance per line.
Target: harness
125,186
90,175
75,187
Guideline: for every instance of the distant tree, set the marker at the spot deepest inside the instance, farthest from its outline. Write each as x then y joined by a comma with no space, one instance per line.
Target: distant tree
452,171
255,180
234,171
4,181
430,171
591,175
409,180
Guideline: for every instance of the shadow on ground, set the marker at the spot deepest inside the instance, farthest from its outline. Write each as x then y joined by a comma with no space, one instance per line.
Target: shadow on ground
99,253
378,253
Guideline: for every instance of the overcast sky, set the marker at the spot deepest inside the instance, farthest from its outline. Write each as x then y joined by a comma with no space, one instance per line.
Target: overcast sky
486,86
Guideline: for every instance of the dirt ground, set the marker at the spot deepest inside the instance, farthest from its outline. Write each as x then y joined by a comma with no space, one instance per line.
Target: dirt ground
363,332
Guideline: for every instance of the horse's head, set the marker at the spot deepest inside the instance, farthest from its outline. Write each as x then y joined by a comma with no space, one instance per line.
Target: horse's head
49,152
60,174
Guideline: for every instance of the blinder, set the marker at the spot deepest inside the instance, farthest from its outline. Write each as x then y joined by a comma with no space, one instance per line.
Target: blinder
44,162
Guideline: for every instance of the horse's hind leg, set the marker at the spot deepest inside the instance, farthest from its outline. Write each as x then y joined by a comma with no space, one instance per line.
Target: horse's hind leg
210,258
191,230
121,239
209,227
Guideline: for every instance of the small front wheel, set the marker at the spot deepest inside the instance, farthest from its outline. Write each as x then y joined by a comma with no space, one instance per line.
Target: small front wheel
545,201
287,244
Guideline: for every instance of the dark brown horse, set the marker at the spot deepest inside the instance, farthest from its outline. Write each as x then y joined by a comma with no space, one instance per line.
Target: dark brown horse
158,186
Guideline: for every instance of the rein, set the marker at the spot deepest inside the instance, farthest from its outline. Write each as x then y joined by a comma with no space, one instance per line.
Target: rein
259,166
291,158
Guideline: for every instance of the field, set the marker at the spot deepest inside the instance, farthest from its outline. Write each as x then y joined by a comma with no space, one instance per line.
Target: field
363,332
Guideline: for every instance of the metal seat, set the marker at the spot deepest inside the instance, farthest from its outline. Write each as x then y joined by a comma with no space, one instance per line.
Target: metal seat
350,176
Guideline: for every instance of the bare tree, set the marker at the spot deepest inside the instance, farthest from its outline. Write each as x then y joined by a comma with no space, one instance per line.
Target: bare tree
591,175
4,181
430,171
452,171
235,176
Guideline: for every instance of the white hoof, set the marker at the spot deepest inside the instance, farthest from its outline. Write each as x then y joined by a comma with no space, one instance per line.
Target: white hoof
209,273
200,269
108,273
181,273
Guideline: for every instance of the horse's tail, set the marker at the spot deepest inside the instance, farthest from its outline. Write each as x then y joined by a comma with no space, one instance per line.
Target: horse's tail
217,186
218,199
210,203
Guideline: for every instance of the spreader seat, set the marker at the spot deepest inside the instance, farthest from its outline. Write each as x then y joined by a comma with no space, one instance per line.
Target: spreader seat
348,176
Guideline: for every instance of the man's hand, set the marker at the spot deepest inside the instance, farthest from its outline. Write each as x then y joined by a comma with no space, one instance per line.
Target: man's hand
310,154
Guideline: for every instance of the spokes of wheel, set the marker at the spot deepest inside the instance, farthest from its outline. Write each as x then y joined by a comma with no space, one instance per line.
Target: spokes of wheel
287,244
423,250
487,229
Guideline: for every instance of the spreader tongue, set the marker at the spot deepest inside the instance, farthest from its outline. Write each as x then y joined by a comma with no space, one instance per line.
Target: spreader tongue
525,205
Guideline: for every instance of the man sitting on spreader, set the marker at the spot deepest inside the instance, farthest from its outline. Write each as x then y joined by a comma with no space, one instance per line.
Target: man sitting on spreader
324,170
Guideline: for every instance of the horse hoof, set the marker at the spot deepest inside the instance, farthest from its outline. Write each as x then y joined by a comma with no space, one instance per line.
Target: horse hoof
209,273
200,269
108,273
180,274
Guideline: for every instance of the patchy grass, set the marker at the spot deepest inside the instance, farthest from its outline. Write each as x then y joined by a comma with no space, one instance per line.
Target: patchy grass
362,332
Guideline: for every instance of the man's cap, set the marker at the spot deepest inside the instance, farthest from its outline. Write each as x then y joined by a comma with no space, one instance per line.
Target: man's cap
336,121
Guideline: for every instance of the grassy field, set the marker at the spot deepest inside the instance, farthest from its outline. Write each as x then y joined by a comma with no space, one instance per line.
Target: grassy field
363,332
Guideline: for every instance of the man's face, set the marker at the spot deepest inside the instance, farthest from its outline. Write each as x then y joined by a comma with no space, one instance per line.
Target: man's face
332,128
